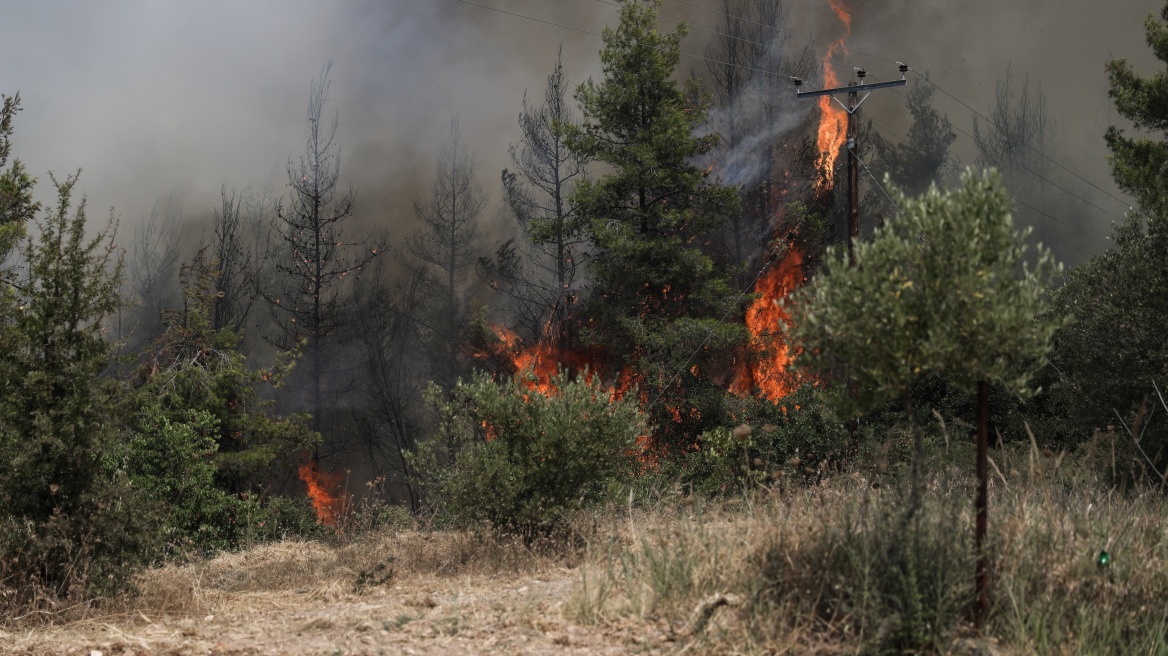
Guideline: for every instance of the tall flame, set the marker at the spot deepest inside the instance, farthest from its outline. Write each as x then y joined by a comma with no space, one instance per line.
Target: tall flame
833,120
328,503
765,365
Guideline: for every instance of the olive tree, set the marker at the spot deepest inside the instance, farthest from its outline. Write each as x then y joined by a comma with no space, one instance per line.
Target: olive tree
947,289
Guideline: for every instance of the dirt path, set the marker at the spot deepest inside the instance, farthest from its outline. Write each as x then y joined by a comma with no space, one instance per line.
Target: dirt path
420,614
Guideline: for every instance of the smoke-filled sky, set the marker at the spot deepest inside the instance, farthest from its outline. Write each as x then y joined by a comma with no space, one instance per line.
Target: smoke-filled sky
152,98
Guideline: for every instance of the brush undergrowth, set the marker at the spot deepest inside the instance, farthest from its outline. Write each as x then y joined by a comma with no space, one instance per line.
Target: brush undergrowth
840,565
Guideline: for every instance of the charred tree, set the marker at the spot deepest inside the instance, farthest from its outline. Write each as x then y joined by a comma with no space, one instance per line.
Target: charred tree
540,273
151,285
749,62
313,258
441,254
389,421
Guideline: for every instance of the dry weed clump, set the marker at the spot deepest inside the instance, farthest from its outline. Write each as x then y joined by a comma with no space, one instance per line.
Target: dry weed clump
841,566
329,571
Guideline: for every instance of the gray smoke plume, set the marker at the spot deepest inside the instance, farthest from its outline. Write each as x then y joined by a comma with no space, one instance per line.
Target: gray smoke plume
157,98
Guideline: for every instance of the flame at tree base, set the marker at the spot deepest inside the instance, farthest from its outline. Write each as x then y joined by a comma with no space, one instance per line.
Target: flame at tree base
329,504
765,363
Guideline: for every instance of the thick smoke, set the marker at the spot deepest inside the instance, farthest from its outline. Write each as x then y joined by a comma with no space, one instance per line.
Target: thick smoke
158,98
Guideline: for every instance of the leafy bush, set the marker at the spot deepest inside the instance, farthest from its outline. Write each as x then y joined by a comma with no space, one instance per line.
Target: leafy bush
196,368
520,459
201,443
795,437
69,526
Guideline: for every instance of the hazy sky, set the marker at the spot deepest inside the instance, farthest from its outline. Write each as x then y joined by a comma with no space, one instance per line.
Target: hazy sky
152,97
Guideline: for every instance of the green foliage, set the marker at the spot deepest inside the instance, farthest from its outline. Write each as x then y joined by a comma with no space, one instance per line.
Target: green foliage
943,289
520,459
69,526
194,368
1109,356
54,405
1140,166
795,439
202,443
923,159
17,207
655,296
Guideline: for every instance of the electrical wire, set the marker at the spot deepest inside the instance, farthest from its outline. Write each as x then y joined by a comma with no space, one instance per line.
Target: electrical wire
809,38
593,33
1020,165
1002,131
959,101
878,185
1012,198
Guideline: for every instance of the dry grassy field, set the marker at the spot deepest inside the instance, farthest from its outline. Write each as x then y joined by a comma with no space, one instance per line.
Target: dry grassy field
821,567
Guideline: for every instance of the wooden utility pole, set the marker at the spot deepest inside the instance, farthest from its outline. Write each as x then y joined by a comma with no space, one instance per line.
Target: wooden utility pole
981,570
854,101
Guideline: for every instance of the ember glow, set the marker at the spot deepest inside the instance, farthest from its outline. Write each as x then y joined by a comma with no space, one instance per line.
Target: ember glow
323,490
765,364
833,120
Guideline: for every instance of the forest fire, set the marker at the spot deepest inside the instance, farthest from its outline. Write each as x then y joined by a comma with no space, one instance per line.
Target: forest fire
543,359
328,503
765,364
832,132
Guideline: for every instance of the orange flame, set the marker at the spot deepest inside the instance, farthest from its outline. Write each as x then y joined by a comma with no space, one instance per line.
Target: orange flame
328,504
765,364
833,120
543,359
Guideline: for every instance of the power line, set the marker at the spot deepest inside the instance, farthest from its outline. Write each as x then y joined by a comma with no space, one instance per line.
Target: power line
999,128
1021,166
586,31
772,74
878,185
1002,131
531,18
737,38
810,39
1012,198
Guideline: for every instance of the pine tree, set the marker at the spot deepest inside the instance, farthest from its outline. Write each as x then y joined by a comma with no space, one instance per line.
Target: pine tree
540,274
656,298
441,253
1116,347
1140,166
924,159
16,204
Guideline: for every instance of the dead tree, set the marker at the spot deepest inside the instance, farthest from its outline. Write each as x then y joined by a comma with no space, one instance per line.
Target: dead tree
314,257
539,273
151,281
441,254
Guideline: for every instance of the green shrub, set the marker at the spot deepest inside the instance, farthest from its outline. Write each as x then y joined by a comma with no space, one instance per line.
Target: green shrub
520,459
795,437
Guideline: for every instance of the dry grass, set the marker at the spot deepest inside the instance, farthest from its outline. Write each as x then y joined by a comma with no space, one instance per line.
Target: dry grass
832,567
836,567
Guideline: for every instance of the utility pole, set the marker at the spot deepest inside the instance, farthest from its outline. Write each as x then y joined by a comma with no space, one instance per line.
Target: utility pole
854,101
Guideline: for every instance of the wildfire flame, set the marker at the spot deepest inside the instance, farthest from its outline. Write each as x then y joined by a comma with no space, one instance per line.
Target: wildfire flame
833,120
543,359
329,504
765,364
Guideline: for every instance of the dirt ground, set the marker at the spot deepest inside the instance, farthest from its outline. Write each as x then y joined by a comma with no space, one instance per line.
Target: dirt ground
301,598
